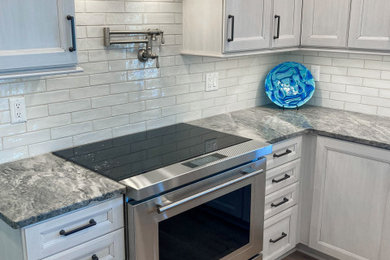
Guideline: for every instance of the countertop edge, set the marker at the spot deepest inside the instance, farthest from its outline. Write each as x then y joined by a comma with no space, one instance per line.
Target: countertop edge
61,211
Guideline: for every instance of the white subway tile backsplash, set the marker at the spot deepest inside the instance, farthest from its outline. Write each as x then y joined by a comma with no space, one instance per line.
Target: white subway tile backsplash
109,100
346,80
70,130
26,139
5,117
67,83
70,106
6,130
50,146
350,63
91,114
48,122
13,154
117,95
37,112
4,104
145,116
111,122
46,98
129,129
92,137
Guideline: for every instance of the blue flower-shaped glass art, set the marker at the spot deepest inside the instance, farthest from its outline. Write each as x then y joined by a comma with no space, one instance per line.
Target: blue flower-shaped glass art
289,85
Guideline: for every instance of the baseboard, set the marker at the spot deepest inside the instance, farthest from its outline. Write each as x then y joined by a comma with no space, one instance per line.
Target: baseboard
313,253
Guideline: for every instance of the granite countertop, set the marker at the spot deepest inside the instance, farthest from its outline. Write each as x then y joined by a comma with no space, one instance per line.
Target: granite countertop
271,124
42,187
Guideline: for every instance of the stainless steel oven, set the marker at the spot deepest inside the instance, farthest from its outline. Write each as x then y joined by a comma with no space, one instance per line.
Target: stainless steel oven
219,217
192,193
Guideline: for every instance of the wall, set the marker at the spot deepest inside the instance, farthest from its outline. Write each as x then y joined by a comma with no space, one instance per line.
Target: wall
353,82
117,95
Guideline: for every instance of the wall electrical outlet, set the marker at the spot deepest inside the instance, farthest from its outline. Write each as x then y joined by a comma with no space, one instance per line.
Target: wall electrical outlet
18,110
316,71
212,81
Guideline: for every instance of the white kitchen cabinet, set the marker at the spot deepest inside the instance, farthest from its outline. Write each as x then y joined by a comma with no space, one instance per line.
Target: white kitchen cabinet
246,25
69,236
370,25
286,23
325,23
351,201
216,28
109,246
36,35
280,234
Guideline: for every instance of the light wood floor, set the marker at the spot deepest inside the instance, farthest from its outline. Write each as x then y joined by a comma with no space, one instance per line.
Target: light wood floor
298,256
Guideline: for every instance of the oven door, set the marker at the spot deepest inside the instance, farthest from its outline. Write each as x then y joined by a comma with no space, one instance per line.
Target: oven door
221,217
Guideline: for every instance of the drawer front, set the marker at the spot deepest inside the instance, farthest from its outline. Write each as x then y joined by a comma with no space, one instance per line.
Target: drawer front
110,246
53,236
284,152
282,176
280,234
281,200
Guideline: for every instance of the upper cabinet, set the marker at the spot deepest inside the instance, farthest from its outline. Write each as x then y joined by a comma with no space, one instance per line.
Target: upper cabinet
286,23
36,35
235,27
370,25
246,25
325,23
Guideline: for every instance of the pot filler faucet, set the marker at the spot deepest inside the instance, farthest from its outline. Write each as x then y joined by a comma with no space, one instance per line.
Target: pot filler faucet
144,54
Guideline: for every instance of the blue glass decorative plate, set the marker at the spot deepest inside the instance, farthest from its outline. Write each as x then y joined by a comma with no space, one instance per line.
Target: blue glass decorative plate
289,85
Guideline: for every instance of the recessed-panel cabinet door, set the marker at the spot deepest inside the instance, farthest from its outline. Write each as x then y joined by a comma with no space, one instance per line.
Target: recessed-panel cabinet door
370,24
350,213
325,23
35,34
286,23
247,25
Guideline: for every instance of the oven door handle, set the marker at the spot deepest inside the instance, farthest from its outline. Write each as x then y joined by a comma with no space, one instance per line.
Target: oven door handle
162,209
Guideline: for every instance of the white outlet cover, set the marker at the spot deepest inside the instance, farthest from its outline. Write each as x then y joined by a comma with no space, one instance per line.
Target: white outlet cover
212,81
316,72
18,110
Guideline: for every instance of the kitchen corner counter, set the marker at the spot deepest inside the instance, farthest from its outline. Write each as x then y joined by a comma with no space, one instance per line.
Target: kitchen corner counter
42,187
271,124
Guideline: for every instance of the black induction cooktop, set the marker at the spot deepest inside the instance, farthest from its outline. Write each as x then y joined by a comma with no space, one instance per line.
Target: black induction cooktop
127,156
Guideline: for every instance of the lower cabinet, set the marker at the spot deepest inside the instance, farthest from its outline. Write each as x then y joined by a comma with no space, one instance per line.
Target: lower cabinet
109,246
281,201
280,233
350,217
95,232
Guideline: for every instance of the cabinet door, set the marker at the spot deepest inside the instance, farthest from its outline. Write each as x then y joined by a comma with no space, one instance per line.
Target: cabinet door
350,200
286,23
370,24
247,25
325,23
35,34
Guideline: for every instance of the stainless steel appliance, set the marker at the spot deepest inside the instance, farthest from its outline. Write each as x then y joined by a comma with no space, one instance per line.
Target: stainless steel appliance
192,193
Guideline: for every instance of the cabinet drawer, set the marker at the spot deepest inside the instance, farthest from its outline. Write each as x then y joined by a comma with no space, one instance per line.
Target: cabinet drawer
110,246
282,176
280,234
281,200
44,239
284,152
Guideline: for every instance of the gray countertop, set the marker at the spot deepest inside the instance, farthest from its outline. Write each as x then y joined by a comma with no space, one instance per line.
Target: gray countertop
271,124
42,187
36,189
